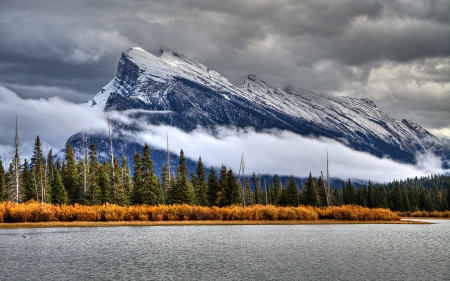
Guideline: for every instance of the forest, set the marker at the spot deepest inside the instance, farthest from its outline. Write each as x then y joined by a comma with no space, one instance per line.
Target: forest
86,181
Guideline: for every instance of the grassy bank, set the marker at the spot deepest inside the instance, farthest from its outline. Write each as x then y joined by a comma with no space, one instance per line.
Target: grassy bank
42,212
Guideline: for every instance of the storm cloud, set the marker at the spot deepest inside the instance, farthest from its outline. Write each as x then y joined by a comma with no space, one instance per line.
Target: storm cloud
396,53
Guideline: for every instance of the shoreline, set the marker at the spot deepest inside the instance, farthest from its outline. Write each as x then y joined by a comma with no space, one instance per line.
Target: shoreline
56,224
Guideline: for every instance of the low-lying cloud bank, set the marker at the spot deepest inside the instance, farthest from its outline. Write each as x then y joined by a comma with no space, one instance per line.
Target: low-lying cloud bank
284,153
54,120
269,152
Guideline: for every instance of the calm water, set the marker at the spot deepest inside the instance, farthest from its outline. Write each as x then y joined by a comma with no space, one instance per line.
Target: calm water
273,252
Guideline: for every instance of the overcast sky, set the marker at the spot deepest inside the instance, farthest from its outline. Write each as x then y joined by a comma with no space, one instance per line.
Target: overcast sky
395,52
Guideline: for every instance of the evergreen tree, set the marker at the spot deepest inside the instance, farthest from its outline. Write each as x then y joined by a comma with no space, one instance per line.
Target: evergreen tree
396,198
137,180
248,194
276,191
30,190
3,192
322,200
165,178
94,195
200,187
104,183
182,191
151,192
292,193
310,197
223,186
59,192
349,193
70,174
125,179
118,195
232,192
39,172
370,196
256,184
213,188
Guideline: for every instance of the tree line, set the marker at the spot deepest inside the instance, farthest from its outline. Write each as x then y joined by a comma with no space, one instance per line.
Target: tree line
87,181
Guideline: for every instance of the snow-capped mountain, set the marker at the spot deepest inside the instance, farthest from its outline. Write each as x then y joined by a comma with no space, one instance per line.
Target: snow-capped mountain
188,94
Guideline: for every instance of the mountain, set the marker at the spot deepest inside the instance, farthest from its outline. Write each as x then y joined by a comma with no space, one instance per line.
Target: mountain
187,94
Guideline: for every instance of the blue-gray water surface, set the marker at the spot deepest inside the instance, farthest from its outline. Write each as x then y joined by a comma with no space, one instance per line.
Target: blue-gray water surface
241,252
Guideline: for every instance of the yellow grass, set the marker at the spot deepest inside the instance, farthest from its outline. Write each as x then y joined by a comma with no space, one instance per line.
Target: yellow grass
109,214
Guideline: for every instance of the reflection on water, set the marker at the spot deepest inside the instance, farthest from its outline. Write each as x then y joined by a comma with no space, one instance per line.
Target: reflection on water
264,252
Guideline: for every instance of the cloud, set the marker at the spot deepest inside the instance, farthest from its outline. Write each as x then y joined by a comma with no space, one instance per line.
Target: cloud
282,153
54,120
394,52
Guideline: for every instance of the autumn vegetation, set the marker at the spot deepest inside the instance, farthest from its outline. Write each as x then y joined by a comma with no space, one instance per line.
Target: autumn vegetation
77,187
33,211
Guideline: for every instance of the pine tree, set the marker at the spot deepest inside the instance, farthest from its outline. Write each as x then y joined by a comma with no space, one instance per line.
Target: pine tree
200,186
320,187
165,178
125,178
370,196
256,184
94,195
70,174
39,172
223,185
292,193
3,191
232,192
213,188
50,166
182,191
348,193
277,188
29,189
104,183
249,196
151,192
59,192
137,180
310,197
119,195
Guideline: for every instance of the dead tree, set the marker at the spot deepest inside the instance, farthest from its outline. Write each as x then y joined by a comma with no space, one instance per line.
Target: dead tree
242,170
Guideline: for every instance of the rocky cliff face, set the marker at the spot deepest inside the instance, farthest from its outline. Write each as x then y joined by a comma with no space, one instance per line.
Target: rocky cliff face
189,94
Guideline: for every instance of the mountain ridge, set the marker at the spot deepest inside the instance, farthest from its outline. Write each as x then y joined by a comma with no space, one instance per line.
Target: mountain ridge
193,95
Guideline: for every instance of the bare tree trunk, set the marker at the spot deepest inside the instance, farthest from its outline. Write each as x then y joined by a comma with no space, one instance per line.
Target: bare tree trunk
85,165
17,159
168,180
242,169
112,155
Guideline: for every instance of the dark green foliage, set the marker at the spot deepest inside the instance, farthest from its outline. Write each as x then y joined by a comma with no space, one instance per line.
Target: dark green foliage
29,187
257,185
310,196
3,192
59,192
137,180
94,194
200,186
70,174
223,186
213,188
248,194
182,191
232,192
348,193
292,193
150,191
165,182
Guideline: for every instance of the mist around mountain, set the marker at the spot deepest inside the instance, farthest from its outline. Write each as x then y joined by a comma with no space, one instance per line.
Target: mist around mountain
193,102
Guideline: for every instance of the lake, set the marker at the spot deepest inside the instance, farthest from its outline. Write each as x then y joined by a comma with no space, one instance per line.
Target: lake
240,252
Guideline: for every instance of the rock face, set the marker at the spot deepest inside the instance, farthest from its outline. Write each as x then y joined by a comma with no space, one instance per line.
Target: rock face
189,94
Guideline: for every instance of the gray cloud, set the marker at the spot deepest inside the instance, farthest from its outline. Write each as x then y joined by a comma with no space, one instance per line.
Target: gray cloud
394,52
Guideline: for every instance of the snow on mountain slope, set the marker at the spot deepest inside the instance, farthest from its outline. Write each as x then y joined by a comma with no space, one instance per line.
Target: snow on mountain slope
195,95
